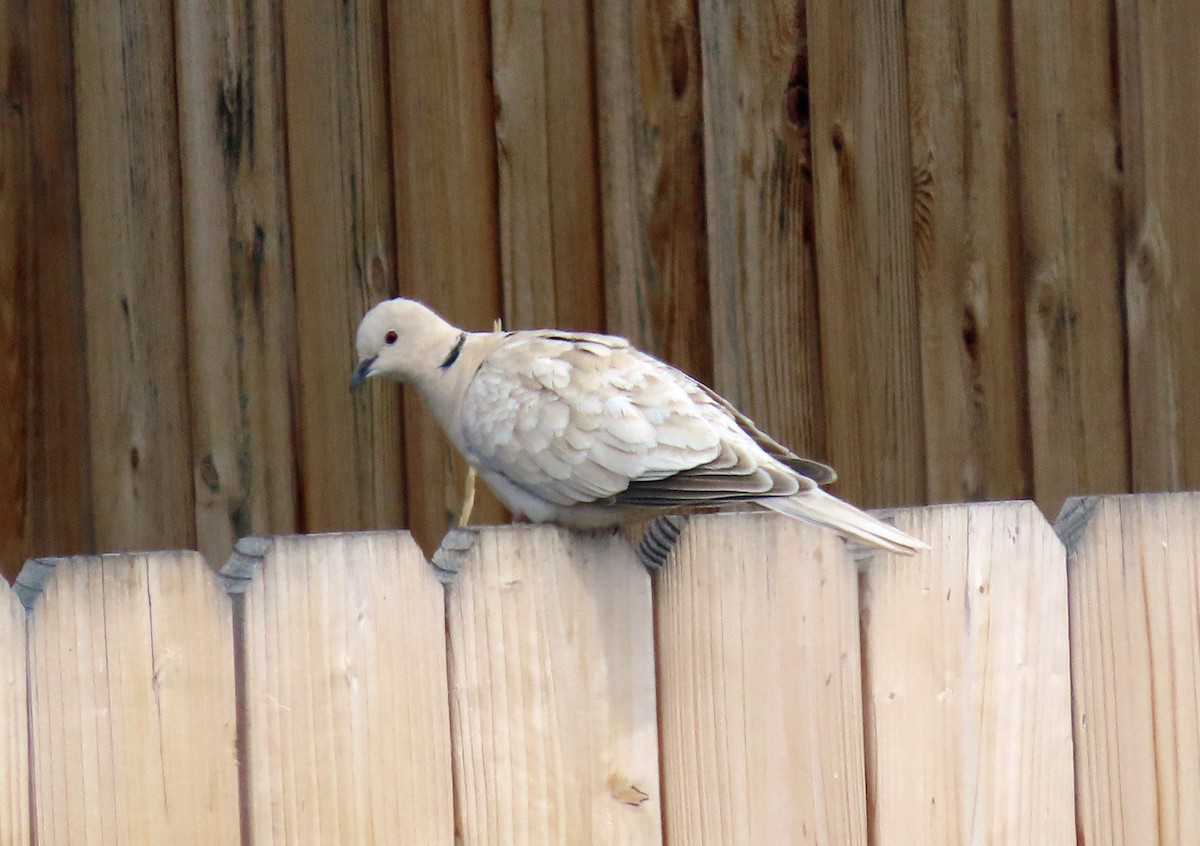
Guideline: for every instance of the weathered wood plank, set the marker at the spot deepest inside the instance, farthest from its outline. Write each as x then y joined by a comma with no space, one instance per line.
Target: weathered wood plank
447,240
862,163
237,256
967,681
552,691
1134,578
1070,265
15,816
132,701
339,164
760,697
1160,106
766,339
651,161
345,723
129,196
965,226
546,150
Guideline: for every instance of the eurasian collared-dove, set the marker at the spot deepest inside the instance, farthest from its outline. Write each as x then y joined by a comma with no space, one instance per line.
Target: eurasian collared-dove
584,430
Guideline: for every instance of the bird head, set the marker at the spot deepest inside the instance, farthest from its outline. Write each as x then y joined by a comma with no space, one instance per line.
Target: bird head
401,339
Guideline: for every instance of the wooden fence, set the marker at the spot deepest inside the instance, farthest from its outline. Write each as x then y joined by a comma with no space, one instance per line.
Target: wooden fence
762,689
947,246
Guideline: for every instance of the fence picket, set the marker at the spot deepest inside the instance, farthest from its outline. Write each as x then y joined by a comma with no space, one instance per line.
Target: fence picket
14,722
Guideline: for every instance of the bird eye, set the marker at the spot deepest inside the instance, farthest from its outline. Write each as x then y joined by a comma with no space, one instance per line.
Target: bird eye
390,337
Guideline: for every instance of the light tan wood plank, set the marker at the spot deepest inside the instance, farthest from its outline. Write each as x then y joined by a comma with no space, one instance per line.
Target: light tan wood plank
862,167
546,151
237,253
15,816
339,166
552,691
133,275
1160,107
1070,207
447,247
132,701
1134,572
965,226
760,694
967,681
651,161
757,171
346,719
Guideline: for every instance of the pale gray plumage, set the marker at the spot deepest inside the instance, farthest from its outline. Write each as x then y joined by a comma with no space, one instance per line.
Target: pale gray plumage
587,431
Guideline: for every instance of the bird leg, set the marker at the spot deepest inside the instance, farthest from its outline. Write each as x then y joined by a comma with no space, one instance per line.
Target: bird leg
660,538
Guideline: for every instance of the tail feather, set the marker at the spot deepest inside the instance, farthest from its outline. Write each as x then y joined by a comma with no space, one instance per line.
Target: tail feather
821,508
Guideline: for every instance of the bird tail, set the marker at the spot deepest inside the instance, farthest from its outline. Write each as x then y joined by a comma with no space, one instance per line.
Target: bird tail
818,507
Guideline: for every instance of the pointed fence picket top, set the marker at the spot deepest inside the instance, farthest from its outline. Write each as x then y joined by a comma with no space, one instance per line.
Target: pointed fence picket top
14,722
132,707
1134,565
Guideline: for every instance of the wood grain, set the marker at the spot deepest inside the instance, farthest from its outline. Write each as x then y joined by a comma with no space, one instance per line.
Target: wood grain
132,701
966,681
1134,574
343,665
15,791
1070,266
965,226
237,254
552,691
447,237
760,693
339,161
1159,107
862,163
766,347
542,69
651,165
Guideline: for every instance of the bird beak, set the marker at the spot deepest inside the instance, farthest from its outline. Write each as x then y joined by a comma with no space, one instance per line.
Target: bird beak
361,373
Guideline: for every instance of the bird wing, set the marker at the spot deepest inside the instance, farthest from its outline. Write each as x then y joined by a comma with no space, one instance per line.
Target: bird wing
581,418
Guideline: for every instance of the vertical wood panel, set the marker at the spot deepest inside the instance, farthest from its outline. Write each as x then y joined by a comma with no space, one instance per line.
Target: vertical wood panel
132,701
766,353
965,226
14,723
133,275
342,236
1067,134
346,726
652,179
865,263
553,691
240,314
1134,568
966,680
1160,112
447,247
546,159
760,697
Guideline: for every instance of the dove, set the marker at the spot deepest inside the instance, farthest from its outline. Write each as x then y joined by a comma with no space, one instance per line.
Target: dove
589,432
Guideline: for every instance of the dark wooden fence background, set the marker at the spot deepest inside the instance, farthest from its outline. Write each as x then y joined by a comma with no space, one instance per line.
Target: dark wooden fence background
950,246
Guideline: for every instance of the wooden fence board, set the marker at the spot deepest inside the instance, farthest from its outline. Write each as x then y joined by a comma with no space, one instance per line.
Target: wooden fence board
760,690
766,350
14,723
133,275
546,151
553,691
1134,569
651,161
345,719
240,312
447,240
132,701
1069,196
965,226
1160,108
339,166
870,347
966,680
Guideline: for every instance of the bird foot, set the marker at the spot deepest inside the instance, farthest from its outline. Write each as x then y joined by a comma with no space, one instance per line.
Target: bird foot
660,538
449,557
